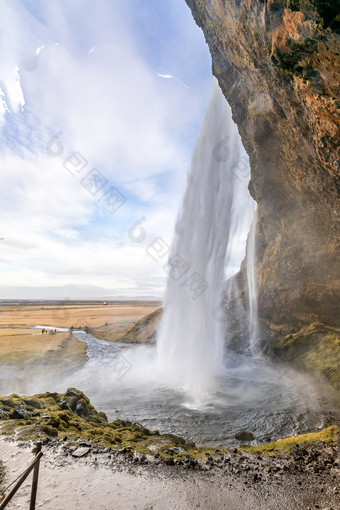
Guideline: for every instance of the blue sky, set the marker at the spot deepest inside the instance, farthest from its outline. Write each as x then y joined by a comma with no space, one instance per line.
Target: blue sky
126,83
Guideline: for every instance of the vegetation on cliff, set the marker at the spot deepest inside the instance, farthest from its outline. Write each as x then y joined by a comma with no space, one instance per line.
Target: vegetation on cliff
315,349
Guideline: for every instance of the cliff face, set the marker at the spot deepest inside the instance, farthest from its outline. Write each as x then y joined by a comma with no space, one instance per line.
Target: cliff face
277,63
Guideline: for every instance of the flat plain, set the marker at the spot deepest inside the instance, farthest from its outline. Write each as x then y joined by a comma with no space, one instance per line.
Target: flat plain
18,342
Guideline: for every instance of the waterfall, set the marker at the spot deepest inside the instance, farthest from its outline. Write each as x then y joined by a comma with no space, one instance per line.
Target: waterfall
252,288
190,338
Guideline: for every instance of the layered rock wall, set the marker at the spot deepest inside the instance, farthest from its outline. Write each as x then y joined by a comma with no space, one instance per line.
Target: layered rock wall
277,63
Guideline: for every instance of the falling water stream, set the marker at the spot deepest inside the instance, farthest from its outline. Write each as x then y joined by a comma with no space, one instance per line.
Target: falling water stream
190,339
252,289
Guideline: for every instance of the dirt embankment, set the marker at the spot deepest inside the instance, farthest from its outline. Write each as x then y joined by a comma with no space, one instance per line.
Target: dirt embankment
142,332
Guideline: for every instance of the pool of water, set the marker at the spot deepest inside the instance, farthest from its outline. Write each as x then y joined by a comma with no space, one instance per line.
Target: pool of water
251,395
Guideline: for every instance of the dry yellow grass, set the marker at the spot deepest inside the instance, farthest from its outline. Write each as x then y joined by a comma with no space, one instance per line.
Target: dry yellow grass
30,347
74,314
22,343
19,332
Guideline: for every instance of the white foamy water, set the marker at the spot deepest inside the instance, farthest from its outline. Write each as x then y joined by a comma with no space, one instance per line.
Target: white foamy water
190,338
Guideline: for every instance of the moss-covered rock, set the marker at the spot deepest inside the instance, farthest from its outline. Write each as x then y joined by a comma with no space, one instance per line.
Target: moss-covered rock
315,349
244,436
71,416
327,436
54,424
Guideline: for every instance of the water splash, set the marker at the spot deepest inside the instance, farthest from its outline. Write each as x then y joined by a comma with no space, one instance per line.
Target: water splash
190,337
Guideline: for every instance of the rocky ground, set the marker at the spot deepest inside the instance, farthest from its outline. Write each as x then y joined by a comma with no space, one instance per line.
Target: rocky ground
92,463
115,479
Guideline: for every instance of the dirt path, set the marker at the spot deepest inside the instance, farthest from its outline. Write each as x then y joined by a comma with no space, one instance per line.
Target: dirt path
103,482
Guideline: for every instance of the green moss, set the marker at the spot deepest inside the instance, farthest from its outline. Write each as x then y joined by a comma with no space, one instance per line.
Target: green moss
315,349
141,449
298,59
179,441
324,11
328,435
201,452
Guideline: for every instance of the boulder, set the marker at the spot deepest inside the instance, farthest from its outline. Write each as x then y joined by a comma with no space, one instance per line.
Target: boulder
244,436
80,452
18,413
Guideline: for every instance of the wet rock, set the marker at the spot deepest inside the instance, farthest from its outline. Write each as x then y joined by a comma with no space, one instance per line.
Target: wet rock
152,459
80,452
81,409
70,449
257,477
176,450
18,413
124,450
193,463
71,393
244,436
64,405
139,457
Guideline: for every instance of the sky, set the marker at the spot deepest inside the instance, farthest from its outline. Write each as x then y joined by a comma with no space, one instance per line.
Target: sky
100,106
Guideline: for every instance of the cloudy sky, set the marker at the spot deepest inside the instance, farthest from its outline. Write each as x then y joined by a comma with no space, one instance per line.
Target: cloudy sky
100,106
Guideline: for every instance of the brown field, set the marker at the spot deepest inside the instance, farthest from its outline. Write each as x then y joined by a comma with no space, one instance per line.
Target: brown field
26,345
26,348
18,332
74,314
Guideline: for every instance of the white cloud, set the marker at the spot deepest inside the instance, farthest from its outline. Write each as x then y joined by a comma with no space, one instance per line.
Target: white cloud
170,77
111,105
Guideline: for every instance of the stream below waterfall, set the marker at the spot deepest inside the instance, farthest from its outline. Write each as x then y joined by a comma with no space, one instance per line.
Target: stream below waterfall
252,395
